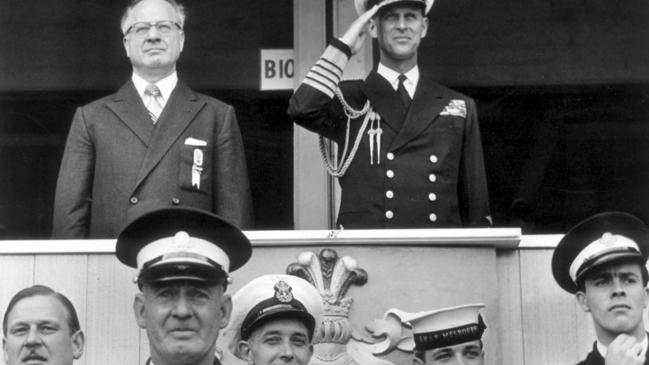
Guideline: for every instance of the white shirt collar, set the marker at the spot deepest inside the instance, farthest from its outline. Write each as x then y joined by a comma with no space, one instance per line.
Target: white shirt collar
412,78
603,349
165,85
393,78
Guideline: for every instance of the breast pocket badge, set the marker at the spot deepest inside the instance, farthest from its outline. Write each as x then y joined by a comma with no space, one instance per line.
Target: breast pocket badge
456,107
193,165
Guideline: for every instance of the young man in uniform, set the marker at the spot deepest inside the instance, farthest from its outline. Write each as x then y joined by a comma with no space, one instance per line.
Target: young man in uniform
602,261
275,320
450,336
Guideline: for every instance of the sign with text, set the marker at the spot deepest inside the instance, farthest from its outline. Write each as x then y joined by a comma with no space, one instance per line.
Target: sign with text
277,69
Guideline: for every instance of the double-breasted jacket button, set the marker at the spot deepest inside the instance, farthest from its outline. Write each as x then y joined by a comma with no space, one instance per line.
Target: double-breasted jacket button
432,197
134,200
175,201
432,177
390,156
389,174
433,158
389,194
389,214
432,217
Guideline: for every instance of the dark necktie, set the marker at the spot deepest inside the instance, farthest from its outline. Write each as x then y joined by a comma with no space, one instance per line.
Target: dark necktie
403,93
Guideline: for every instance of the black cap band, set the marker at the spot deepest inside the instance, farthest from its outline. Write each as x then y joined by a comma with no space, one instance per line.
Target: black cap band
450,336
273,308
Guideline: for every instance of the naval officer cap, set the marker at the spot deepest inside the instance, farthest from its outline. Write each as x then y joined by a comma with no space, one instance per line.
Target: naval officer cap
601,239
447,327
364,5
182,243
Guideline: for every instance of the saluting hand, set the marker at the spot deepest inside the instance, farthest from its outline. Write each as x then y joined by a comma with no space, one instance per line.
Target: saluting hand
624,350
356,34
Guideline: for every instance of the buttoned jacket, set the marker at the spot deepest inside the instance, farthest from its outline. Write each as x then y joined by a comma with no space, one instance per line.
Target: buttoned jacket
117,164
431,171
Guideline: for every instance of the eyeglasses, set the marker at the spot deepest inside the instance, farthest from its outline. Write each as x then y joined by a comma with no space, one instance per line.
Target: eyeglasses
141,29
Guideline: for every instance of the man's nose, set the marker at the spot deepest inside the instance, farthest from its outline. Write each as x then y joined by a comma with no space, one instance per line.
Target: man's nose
402,22
33,338
153,33
459,359
182,308
287,350
618,288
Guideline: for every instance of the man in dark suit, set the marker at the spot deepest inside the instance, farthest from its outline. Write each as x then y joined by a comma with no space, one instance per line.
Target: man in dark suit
153,143
410,149
602,260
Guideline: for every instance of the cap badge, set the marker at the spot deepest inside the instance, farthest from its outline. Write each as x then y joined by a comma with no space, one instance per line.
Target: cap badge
181,240
608,239
283,292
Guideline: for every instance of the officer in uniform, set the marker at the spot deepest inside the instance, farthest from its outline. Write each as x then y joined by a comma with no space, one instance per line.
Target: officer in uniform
183,257
446,336
410,149
602,260
275,320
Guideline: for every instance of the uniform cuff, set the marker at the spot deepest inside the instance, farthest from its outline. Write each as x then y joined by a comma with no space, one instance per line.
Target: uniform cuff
327,72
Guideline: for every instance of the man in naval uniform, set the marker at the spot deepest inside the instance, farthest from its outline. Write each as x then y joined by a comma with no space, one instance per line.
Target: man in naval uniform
451,336
410,149
602,260
154,143
183,257
274,321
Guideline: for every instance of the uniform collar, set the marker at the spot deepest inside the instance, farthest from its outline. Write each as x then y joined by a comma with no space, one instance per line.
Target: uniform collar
165,85
392,76
603,349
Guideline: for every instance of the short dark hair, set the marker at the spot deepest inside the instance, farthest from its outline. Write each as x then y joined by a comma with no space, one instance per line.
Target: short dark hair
581,282
180,10
36,290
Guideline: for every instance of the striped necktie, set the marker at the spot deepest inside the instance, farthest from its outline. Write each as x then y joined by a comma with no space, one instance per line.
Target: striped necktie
154,103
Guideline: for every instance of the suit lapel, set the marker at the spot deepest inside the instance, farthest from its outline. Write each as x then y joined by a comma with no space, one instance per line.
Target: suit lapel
180,110
128,107
384,100
428,102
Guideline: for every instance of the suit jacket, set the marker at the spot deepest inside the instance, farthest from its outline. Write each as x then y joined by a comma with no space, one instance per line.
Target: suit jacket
117,164
431,172
595,358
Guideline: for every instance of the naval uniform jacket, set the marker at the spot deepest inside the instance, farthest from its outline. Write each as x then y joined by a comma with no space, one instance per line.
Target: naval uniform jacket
595,358
117,164
431,171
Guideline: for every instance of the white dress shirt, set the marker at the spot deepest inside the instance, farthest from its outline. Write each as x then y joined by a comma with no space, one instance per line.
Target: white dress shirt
165,85
412,78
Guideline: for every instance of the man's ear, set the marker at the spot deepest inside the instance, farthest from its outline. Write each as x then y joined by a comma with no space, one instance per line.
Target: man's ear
4,350
424,31
78,342
125,43
138,310
580,296
244,349
373,27
226,309
646,297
